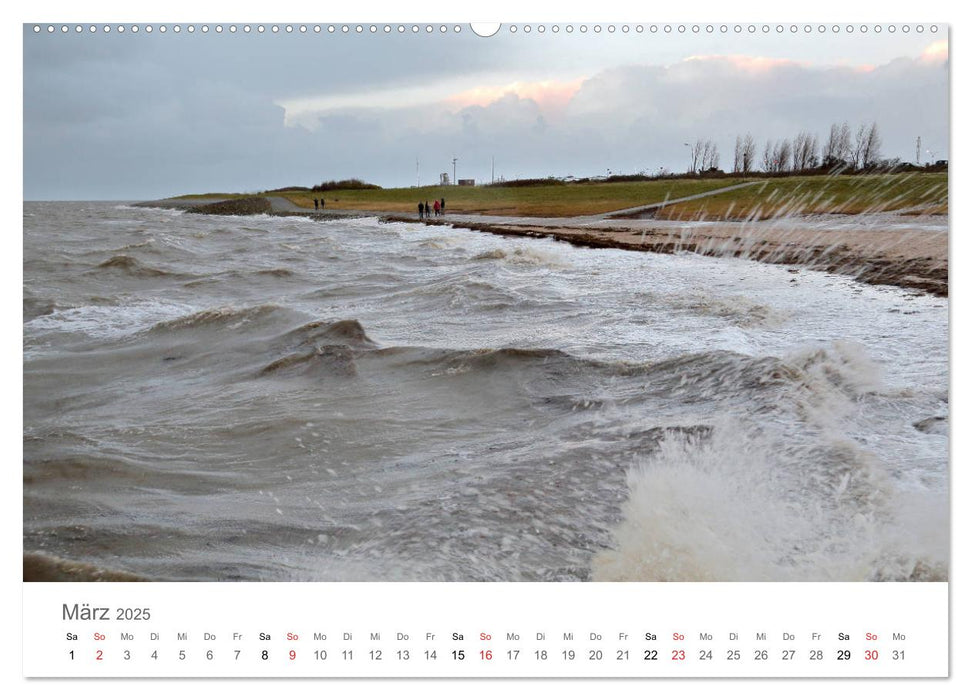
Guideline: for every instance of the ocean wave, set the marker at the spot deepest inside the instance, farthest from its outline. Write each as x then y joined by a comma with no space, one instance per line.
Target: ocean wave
147,243
104,318
523,255
226,317
842,364
132,266
459,291
76,467
490,358
741,504
346,332
820,382
743,311
35,307
522,365
330,359
39,566
320,347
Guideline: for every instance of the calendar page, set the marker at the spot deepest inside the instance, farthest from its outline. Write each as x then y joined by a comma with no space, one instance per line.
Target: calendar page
611,348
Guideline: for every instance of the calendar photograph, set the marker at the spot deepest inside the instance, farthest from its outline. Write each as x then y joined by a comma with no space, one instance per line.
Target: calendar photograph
486,303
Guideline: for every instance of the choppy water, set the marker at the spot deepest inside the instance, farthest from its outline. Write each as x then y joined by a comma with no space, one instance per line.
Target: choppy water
281,399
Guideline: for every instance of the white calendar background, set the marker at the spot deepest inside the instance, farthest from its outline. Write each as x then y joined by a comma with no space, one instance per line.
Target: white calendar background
470,630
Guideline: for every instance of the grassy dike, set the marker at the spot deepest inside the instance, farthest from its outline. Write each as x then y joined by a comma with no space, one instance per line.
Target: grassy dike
916,193
913,259
911,193
562,199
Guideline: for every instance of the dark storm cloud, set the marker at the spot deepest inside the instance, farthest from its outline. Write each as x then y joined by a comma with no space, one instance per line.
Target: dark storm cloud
126,116
636,118
121,117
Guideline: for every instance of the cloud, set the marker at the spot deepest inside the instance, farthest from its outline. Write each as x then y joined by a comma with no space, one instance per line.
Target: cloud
551,96
752,64
936,52
127,119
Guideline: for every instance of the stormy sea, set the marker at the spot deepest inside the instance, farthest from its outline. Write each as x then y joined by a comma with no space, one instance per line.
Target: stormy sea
276,398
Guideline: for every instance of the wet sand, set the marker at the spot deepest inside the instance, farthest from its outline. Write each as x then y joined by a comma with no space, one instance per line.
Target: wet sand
901,253
892,249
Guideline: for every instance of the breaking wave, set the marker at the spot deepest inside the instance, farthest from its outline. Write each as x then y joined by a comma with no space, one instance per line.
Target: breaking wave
523,256
742,505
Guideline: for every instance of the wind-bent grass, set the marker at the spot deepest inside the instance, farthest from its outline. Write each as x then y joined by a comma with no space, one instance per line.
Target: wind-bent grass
910,193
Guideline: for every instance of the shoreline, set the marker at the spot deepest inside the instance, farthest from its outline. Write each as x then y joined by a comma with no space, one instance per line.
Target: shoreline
893,252
833,253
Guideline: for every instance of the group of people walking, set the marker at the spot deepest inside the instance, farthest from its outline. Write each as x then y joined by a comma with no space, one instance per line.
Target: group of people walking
318,203
426,209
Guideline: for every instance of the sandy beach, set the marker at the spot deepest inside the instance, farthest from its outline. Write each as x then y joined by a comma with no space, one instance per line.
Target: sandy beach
911,254
895,249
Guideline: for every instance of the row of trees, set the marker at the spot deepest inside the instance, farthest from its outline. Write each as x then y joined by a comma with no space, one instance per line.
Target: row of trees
704,155
803,152
785,155
861,152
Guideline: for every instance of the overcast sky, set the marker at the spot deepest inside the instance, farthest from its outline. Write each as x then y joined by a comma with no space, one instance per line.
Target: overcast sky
137,116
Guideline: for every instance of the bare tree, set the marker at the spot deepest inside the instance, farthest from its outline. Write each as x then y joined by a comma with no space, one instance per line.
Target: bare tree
838,149
737,166
804,148
704,155
859,145
709,157
845,143
830,148
871,146
748,154
813,151
799,148
696,151
782,156
767,162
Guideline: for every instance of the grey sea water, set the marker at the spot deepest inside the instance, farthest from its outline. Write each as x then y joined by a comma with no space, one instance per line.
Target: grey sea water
265,398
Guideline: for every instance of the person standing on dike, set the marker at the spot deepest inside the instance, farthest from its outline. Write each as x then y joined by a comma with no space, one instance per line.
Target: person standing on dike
428,209
421,211
437,207
443,206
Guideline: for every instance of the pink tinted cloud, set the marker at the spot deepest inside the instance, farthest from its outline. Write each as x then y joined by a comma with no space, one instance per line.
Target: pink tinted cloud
754,64
552,96
936,52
